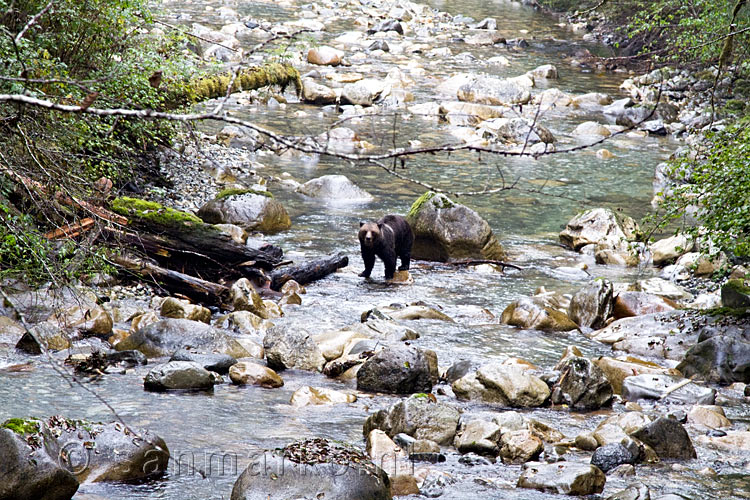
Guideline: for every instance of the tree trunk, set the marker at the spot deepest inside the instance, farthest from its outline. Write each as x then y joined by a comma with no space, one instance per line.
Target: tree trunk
309,271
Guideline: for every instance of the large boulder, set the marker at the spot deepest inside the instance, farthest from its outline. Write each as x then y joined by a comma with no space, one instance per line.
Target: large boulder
520,446
670,388
735,293
534,313
446,231
365,92
507,384
496,91
418,417
396,370
164,337
592,305
618,369
179,375
563,478
288,347
314,468
612,455
248,209
219,363
582,385
336,188
668,438
596,226
478,436
722,359
629,304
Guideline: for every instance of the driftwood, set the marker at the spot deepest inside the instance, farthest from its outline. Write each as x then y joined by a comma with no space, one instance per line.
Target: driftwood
175,282
309,271
474,262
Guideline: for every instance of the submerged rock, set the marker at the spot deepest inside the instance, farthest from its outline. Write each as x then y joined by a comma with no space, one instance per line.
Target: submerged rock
219,363
179,375
250,210
314,468
334,188
446,231
396,370
564,478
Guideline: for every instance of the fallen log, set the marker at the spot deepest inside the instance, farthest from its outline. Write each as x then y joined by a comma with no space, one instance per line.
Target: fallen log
70,230
309,271
174,282
475,262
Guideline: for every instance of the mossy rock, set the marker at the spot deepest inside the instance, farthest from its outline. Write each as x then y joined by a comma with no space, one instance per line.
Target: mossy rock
735,294
447,231
22,426
251,210
152,213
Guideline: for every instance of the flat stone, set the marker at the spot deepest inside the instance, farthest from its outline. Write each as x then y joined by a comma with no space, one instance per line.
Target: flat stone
565,478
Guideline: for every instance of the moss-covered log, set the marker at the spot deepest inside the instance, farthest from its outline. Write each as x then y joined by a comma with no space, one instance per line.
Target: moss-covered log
215,86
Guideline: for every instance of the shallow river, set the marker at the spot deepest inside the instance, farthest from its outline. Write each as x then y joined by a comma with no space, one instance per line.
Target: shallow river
234,421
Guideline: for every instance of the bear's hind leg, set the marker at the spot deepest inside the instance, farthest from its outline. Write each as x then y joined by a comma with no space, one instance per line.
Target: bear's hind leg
405,258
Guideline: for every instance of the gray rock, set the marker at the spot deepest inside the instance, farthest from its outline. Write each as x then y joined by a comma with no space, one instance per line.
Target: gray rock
163,338
252,211
597,226
315,468
519,387
486,24
521,446
47,336
396,370
179,375
365,92
655,386
735,294
445,231
518,130
612,455
288,347
564,478
458,370
495,91
582,385
721,359
629,117
636,491
387,25
478,436
219,363
668,438
30,473
533,313
316,93
418,417
334,188
592,305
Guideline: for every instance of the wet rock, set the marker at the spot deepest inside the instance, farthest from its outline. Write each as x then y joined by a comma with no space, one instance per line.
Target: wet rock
167,336
656,386
333,345
544,431
251,210
47,336
518,130
487,23
565,478
474,112
586,129
596,226
666,251
339,472
485,38
219,363
592,305
316,93
668,438
250,373
664,335
365,92
617,370
633,492
416,312
404,484
387,25
179,375
612,455
379,45
291,347
533,313
30,472
334,188
176,308
735,294
709,416
89,321
586,442
305,396
546,71
629,304
618,427
445,231
458,370
505,383
418,417
737,441
721,359
518,447
478,436
396,370
496,91
324,56
582,385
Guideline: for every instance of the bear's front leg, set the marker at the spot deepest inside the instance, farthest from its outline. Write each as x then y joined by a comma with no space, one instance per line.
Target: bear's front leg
390,268
405,258
369,259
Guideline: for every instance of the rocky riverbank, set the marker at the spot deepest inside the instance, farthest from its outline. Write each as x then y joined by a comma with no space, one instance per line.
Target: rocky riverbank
668,399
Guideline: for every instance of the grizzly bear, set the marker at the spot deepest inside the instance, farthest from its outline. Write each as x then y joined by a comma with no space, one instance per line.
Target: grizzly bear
388,238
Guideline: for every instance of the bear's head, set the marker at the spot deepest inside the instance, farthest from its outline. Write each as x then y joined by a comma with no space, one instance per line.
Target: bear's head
369,232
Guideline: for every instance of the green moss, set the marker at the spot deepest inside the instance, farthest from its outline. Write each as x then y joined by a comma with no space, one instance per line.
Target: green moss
215,86
226,193
22,426
150,211
442,201
728,311
738,286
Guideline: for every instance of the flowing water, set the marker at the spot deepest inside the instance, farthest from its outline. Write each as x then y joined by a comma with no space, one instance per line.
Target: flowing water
232,422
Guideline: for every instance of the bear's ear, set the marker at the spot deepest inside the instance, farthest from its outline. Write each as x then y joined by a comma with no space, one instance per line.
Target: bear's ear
380,225
361,223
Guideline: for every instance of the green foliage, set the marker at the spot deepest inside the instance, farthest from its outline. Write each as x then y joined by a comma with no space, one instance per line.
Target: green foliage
22,426
717,188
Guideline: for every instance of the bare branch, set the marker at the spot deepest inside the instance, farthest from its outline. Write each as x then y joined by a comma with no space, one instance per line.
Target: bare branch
33,21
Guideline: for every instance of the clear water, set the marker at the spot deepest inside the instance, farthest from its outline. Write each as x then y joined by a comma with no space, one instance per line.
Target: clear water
232,421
